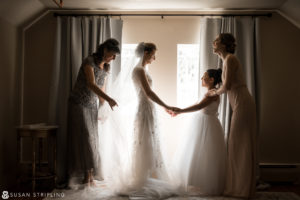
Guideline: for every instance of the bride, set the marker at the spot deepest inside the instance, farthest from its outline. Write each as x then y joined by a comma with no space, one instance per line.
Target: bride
131,155
147,158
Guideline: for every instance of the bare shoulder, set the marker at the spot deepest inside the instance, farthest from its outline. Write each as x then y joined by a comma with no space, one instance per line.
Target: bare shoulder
138,71
231,58
211,98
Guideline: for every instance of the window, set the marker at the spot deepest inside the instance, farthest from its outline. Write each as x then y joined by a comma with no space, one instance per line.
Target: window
187,74
127,54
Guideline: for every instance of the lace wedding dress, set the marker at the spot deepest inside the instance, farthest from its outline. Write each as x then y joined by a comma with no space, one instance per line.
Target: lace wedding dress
147,157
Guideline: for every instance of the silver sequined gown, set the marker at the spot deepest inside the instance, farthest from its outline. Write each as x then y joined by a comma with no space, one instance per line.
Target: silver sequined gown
83,147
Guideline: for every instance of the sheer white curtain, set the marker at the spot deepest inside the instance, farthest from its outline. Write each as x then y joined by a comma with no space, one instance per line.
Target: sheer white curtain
76,38
245,30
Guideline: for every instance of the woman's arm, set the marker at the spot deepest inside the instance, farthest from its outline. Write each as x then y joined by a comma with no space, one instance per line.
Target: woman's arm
90,78
231,65
147,89
103,88
205,102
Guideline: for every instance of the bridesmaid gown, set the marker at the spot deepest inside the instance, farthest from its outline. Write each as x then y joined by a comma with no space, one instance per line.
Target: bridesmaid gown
241,166
83,147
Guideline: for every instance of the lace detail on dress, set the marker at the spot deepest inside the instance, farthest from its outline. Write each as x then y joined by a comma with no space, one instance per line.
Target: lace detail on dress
146,139
81,94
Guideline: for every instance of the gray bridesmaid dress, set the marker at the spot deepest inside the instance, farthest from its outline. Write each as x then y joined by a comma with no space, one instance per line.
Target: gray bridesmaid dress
83,142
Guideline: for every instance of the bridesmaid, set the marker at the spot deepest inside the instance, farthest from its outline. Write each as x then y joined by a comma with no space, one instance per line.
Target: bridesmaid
241,175
83,148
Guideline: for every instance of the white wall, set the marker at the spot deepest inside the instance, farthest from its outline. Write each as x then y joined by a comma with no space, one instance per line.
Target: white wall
280,91
166,34
13,14
17,12
39,51
290,9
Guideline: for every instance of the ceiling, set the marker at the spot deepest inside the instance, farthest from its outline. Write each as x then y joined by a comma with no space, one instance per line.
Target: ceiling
19,11
166,4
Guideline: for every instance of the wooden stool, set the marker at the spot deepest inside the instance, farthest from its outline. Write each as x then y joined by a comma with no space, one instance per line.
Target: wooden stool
38,133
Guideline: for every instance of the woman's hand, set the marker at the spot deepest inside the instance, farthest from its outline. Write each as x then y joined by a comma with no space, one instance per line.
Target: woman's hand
173,111
211,93
112,103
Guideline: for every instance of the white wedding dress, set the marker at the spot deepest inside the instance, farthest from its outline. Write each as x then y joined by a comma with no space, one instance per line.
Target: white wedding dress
199,162
147,157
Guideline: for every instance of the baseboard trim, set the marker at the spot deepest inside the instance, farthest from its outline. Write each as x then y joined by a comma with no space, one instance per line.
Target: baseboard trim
279,172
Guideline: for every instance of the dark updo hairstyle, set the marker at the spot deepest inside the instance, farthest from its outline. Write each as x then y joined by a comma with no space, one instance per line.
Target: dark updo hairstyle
150,47
216,74
111,45
229,41
142,47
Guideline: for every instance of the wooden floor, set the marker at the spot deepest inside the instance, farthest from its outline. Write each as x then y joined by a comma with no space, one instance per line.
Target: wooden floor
25,189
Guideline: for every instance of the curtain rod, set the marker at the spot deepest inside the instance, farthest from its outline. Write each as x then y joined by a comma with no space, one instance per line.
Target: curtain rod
166,15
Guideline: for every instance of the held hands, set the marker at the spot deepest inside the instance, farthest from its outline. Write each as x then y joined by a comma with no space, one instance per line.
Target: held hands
173,111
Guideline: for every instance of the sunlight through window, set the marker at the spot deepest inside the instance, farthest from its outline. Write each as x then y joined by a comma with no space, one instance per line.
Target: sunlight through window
187,74
127,53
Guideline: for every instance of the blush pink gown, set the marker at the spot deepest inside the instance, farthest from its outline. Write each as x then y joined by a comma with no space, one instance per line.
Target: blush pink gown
242,139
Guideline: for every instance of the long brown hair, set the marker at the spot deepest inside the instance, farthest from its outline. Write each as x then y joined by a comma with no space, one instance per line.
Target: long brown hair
229,41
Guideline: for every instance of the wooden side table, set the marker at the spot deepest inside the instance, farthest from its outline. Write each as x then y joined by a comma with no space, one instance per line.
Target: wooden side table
38,133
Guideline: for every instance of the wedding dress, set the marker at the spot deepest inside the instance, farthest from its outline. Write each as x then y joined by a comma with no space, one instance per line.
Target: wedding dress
147,157
143,171
200,160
